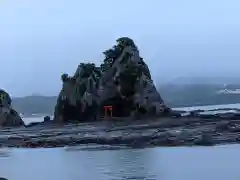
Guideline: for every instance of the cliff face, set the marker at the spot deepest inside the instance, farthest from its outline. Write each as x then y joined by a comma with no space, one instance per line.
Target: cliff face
78,98
8,116
123,81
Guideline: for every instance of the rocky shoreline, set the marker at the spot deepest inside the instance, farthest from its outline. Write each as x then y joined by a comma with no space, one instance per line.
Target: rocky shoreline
121,86
190,130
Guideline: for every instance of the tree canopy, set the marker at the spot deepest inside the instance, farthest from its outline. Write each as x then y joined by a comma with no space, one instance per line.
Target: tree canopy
125,41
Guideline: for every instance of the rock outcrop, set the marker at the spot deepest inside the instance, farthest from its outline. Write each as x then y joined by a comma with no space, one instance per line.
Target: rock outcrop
8,116
78,98
123,81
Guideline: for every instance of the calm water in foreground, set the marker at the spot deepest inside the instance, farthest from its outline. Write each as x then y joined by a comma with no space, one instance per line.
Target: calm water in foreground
220,163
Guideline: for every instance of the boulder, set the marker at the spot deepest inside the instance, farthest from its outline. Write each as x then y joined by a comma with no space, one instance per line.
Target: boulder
123,81
8,116
47,119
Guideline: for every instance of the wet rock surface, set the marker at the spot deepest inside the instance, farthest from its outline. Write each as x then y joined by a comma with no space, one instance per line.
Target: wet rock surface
125,133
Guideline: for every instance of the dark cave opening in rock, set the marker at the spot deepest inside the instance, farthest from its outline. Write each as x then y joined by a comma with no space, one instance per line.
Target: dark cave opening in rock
69,111
74,113
90,112
121,107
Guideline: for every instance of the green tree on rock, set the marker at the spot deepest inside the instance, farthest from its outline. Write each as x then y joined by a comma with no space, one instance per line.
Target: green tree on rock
110,54
125,41
64,77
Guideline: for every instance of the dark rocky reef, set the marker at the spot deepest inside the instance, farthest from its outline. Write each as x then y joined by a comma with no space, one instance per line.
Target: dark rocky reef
123,81
8,116
164,131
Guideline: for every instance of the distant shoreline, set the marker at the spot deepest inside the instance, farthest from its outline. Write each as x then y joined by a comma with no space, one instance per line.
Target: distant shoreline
228,91
174,95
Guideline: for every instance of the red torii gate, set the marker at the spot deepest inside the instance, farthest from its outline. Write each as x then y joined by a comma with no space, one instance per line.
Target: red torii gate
108,109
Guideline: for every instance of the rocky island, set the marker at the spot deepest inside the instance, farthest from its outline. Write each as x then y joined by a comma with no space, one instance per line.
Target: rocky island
116,104
123,81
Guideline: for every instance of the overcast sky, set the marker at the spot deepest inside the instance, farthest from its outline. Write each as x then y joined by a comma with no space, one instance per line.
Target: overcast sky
40,39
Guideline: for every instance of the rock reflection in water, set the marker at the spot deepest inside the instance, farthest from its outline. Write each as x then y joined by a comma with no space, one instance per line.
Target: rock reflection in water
119,164
130,164
5,152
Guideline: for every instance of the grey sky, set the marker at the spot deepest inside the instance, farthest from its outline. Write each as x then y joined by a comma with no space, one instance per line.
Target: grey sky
40,39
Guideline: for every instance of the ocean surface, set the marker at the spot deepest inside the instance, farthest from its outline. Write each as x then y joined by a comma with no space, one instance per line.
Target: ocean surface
215,163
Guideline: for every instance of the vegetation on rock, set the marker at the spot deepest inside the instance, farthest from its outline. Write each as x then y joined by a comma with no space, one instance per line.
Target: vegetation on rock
123,81
8,116
5,99
125,41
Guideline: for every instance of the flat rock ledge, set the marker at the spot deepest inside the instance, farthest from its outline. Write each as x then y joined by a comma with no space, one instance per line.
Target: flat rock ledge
181,131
